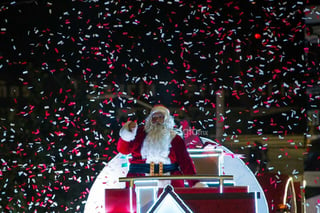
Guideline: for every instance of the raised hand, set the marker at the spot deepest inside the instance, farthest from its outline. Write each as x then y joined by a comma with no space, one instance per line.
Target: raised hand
132,125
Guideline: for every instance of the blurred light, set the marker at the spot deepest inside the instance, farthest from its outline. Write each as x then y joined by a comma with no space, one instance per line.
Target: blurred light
257,36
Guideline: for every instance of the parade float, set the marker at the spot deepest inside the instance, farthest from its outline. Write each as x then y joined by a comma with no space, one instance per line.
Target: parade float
231,187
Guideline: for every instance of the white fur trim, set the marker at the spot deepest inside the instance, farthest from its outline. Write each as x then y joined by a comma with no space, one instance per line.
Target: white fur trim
127,135
200,185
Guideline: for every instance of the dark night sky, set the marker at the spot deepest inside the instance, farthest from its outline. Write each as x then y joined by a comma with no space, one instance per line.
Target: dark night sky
61,52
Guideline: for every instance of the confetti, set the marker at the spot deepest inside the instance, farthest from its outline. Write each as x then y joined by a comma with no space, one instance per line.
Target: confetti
72,71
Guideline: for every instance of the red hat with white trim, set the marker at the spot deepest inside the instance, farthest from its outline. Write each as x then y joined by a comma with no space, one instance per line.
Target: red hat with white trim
160,108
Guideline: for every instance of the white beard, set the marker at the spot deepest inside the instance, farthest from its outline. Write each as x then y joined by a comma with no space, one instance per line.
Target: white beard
156,145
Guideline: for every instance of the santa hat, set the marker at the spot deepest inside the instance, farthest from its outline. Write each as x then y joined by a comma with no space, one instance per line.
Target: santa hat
160,108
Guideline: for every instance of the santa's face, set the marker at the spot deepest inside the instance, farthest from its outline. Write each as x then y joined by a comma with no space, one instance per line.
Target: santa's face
157,118
156,145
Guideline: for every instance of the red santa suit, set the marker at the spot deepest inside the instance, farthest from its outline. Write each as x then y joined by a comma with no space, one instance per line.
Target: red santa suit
177,158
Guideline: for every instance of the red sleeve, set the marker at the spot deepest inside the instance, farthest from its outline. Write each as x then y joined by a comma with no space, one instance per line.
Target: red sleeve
131,147
183,159
124,147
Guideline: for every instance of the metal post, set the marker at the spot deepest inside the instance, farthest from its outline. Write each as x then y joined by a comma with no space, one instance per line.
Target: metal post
219,114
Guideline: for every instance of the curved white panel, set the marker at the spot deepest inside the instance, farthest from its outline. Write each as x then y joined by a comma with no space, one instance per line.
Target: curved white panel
108,178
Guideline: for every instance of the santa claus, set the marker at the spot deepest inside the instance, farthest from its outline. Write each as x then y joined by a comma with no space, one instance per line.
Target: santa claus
155,148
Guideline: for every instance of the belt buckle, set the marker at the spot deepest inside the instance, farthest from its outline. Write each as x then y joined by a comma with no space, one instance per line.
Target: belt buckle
152,173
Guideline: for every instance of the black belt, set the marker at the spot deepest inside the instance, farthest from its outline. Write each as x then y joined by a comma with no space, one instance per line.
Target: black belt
145,168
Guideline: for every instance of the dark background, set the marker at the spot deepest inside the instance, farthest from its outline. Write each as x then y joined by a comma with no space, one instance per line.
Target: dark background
72,71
